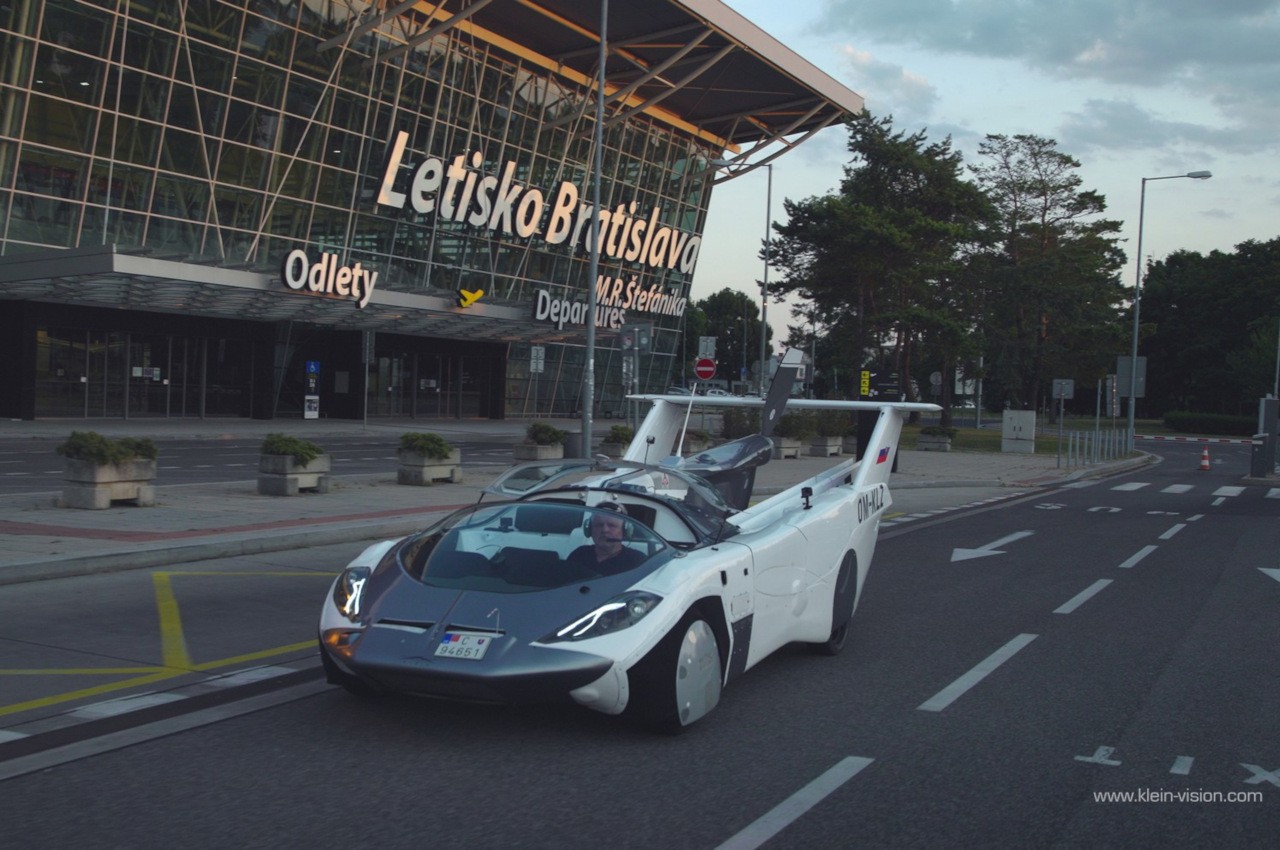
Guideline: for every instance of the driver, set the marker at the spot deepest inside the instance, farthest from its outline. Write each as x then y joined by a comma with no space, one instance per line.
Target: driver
606,555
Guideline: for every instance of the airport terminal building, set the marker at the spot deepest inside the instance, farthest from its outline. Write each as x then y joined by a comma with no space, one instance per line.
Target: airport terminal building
332,208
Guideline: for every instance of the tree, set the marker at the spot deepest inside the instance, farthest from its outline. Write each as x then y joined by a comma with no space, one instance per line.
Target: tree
883,261
1209,329
733,318
1053,294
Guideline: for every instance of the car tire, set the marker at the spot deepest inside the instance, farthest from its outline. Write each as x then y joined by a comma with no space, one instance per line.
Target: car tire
679,681
842,605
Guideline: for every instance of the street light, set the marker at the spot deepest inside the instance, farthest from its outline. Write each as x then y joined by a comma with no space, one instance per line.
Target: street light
764,286
1137,294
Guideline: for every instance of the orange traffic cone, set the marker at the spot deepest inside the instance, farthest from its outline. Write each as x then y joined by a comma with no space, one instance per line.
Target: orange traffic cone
1204,460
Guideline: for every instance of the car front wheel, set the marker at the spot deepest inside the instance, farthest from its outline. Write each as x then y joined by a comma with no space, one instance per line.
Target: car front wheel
679,681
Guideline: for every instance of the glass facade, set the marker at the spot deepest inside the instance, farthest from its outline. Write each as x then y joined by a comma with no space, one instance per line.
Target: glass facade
235,132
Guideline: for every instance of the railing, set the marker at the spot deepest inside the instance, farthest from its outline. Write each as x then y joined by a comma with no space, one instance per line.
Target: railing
1085,448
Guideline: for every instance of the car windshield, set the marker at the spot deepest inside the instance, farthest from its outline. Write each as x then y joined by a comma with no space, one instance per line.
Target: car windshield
523,547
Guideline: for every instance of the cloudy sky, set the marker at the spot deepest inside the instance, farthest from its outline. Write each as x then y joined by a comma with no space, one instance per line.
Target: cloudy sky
1130,88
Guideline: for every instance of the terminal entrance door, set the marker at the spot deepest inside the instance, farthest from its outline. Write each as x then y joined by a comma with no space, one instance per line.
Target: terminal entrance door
115,374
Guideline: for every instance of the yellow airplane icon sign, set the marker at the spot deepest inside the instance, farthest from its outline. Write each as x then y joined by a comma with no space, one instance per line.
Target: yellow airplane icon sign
467,297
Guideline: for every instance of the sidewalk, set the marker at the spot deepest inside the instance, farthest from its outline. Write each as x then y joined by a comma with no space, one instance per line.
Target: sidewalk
192,522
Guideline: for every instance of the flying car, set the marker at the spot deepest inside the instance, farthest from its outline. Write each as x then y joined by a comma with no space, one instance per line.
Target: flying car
639,587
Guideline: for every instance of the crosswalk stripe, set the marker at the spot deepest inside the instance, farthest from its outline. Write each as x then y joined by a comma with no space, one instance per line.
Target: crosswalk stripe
1228,491
1177,488
1273,493
1130,485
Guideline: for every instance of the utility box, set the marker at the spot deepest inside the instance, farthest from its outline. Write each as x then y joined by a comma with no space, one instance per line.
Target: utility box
1018,432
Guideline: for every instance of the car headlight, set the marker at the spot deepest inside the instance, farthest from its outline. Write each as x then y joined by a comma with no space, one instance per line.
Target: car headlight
348,592
617,614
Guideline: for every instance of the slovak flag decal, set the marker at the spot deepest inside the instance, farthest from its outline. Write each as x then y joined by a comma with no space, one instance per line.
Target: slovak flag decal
883,456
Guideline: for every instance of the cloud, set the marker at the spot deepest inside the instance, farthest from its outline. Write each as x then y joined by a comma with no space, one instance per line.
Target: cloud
1142,42
909,96
1123,124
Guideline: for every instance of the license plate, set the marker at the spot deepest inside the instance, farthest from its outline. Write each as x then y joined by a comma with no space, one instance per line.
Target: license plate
468,645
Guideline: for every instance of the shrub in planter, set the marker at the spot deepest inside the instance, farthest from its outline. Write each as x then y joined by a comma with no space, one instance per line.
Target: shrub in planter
740,423
618,439
543,441
289,464
430,446
545,434
100,470
425,458
94,448
935,438
621,434
795,426
302,451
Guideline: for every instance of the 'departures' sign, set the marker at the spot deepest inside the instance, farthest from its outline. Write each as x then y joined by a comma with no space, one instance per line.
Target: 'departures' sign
457,190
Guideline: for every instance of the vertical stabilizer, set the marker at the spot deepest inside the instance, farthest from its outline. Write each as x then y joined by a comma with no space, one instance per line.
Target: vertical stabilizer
877,461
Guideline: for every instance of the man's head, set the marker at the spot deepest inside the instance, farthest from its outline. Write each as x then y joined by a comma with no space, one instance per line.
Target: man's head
609,527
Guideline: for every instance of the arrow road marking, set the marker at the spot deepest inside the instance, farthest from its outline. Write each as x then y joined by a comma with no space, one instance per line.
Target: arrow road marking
989,549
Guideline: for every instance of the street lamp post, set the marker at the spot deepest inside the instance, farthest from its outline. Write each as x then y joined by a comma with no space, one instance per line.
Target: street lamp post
764,286
1137,294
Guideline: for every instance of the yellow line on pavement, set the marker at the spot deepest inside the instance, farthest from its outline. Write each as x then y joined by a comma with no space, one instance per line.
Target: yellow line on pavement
257,656
173,645
81,671
56,699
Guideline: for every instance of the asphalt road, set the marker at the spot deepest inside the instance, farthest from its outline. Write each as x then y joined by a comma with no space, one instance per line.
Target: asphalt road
1008,665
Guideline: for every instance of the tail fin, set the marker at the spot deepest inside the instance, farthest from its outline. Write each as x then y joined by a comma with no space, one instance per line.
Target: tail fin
882,448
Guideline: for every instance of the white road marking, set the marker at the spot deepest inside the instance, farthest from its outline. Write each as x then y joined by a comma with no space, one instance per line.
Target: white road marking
1178,488
1218,501
1182,765
1273,493
1102,755
23,765
1228,491
113,707
1131,485
6,735
1079,485
959,687
1082,597
245,677
1275,574
1174,529
1138,556
1195,517
789,810
1261,775
988,549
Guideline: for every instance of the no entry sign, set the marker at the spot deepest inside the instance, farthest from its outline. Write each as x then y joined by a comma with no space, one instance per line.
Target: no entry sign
705,369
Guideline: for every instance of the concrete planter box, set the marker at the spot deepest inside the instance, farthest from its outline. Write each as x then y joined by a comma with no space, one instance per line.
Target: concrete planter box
533,451
422,471
824,446
927,443
785,447
281,475
849,444
613,449
91,486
